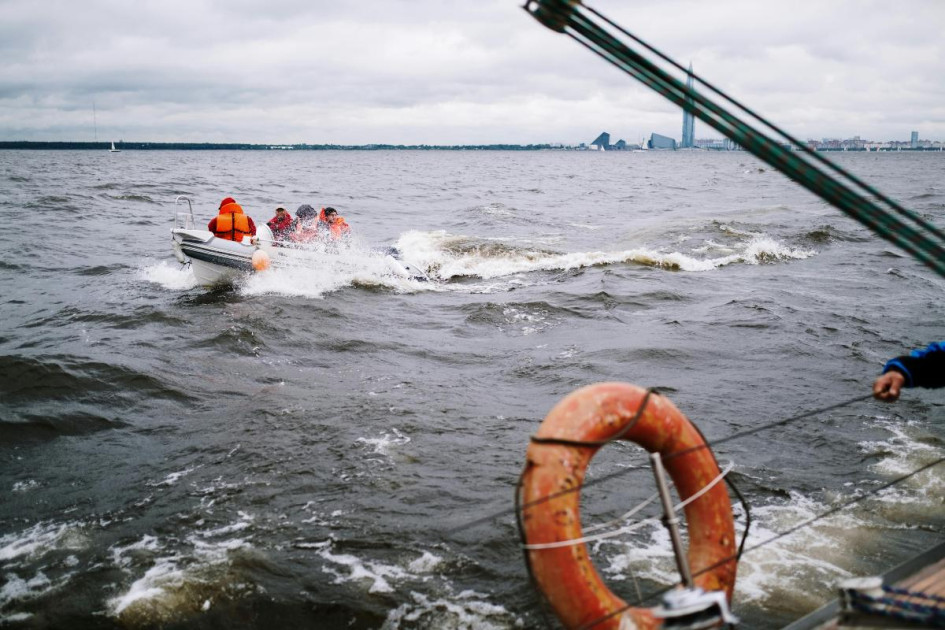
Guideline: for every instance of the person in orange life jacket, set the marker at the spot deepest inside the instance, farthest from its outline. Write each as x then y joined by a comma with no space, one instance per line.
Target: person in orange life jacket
305,227
331,225
231,223
281,224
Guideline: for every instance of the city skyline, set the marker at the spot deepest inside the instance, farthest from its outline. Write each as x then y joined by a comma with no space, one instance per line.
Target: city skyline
915,141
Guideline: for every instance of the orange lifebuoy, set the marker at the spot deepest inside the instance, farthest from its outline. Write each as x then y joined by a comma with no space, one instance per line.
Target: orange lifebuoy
556,469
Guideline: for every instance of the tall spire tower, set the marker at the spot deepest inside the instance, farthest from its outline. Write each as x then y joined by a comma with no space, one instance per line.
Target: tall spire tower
688,122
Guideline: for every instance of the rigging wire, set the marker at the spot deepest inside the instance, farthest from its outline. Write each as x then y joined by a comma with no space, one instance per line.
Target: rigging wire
807,414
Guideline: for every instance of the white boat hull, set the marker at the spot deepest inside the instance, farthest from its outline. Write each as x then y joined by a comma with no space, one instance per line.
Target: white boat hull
217,261
213,260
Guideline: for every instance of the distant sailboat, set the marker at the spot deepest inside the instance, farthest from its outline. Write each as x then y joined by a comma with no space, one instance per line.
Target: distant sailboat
113,149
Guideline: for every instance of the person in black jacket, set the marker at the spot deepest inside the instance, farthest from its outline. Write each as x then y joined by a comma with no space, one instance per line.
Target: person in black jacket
921,368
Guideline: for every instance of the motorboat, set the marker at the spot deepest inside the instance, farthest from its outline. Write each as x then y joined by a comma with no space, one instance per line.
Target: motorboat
216,261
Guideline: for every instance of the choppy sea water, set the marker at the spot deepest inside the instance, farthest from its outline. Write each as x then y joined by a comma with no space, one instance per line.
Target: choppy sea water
301,450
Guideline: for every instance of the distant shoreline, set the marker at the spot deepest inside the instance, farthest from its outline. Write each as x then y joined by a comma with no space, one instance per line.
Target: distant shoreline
237,146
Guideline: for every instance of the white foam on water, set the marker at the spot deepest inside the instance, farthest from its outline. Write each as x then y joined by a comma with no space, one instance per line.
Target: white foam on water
590,227
425,249
814,555
40,539
165,574
382,445
356,570
315,518
531,322
316,272
467,611
16,588
177,585
425,563
121,554
447,257
908,449
648,556
25,486
245,522
497,210
712,246
172,276
903,452
762,249
173,477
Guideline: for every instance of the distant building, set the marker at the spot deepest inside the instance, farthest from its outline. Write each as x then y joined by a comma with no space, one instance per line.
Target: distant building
602,141
715,144
661,142
915,140
688,120
621,145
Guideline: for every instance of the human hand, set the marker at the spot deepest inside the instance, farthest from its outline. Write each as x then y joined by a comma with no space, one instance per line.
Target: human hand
887,386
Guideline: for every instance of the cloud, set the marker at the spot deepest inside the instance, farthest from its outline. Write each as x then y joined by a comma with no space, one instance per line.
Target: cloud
433,71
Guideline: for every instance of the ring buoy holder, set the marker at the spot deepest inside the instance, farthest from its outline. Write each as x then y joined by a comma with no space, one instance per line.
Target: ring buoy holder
550,522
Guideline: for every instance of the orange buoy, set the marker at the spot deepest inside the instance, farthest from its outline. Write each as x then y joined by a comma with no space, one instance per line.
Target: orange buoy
260,260
597,413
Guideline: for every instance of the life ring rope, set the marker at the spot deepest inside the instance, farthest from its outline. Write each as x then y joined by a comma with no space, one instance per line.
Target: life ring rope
630,424
632,526
547,500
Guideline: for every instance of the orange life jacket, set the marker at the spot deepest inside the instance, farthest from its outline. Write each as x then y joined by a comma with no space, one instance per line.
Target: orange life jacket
339,228
232,224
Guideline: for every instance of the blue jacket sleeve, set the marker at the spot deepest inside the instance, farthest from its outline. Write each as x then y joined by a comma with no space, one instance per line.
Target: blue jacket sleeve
922,368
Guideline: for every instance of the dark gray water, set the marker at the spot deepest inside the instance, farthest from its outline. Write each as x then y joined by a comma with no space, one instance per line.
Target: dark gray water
299,450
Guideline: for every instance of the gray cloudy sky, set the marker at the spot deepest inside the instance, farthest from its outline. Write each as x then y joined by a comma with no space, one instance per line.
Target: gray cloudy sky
451,72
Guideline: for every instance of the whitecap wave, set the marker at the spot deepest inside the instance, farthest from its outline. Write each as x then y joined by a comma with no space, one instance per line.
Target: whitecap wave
179,584
382,445
376,575
40,539
447,256
467,610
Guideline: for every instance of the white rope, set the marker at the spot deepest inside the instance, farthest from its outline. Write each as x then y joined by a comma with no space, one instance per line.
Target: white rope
633,526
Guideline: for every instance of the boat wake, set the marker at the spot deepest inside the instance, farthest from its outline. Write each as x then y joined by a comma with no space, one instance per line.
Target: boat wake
451,260
447,256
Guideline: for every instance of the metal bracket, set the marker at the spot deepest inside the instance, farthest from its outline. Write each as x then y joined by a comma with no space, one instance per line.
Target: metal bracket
694,609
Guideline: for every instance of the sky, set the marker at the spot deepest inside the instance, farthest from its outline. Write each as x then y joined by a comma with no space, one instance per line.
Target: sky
453,72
